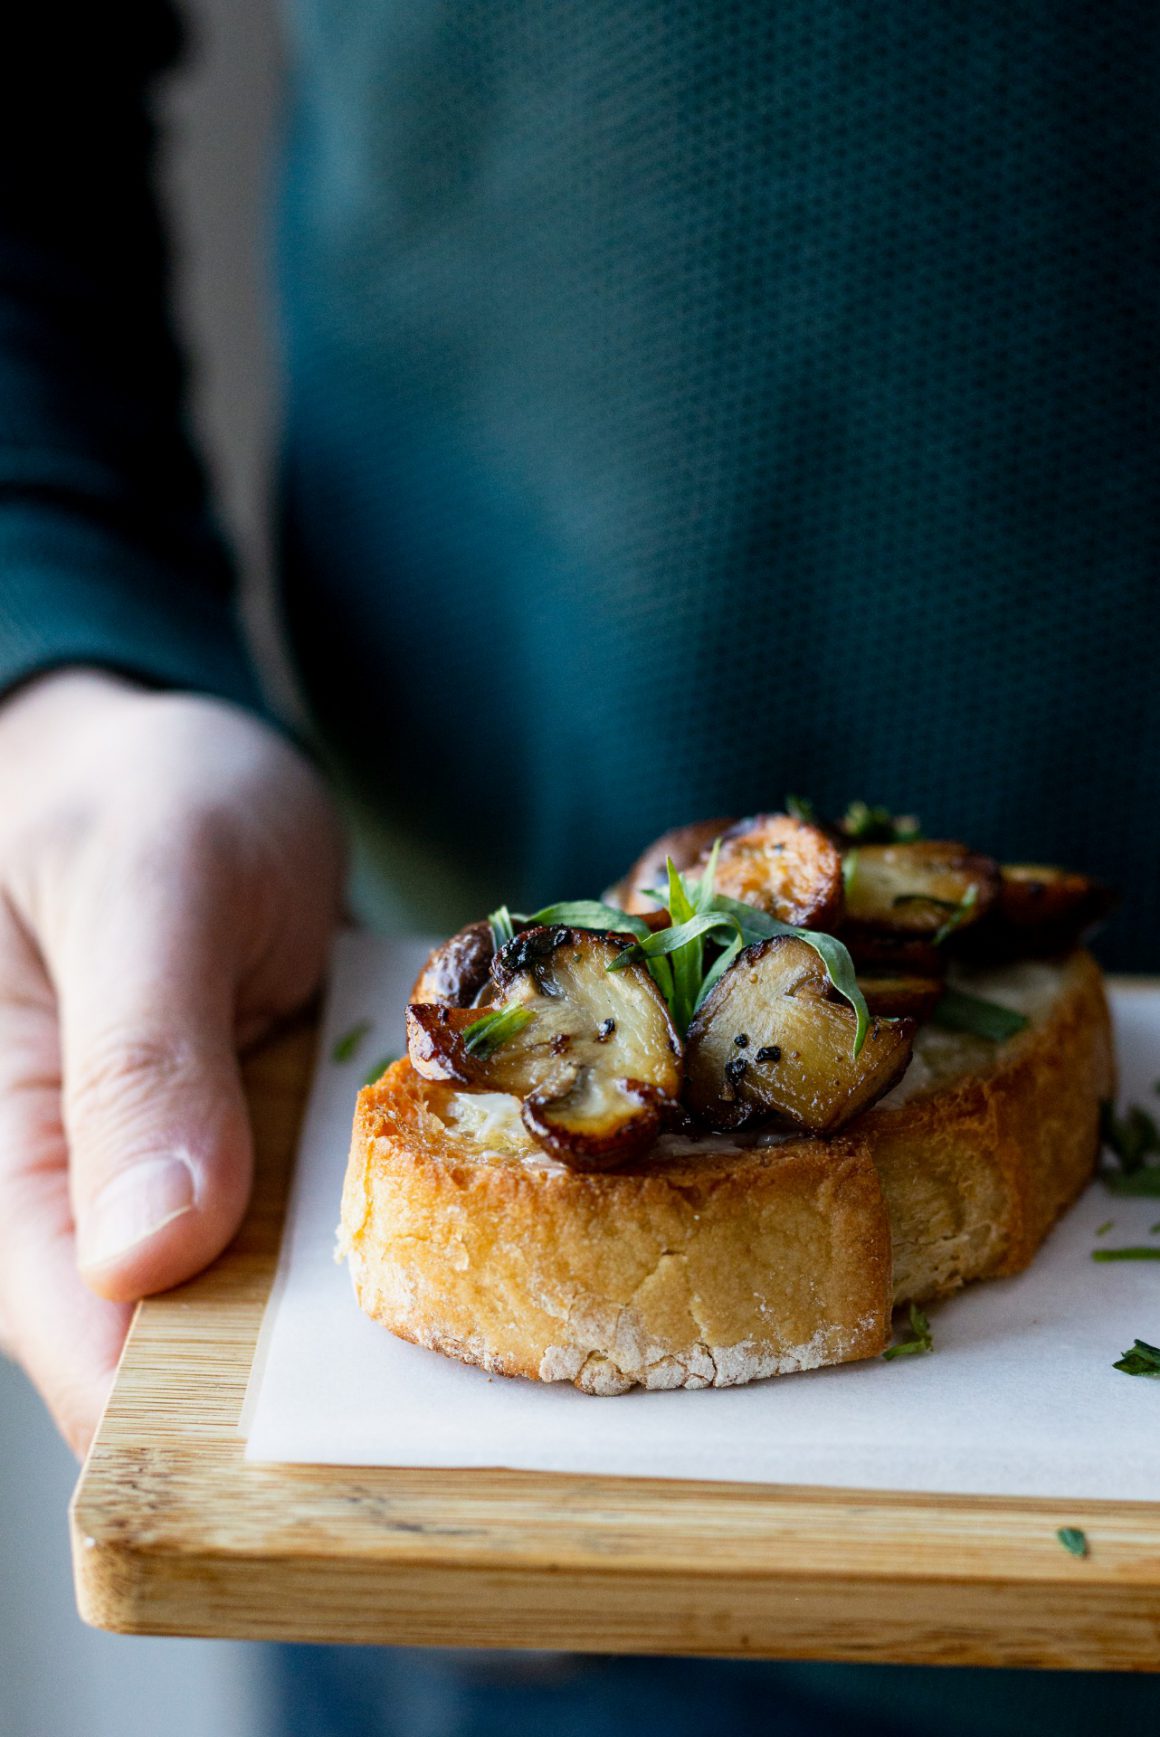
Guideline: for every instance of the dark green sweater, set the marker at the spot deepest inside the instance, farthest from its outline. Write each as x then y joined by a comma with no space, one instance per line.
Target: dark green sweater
684,403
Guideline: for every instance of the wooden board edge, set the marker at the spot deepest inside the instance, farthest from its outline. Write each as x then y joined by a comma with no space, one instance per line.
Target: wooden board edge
802,1617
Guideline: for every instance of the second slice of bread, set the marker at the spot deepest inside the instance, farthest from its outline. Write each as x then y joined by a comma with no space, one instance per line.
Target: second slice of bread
732,1260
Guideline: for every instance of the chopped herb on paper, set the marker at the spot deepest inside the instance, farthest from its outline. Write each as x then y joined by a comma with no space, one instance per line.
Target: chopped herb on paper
349,1044
1143,1183
1073,1540
1143,1253
921,1340
1132,1137
1103,1229
1142,1359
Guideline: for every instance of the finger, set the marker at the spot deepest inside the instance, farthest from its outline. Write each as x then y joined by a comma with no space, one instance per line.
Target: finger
67,1340
156,1120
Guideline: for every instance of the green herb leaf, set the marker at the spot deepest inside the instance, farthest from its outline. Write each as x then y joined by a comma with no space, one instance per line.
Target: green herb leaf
1142,1253
718,969
1105,1227
702,891
687,960
349,1044
495,1028
1073,1540
661,973
1154,1229
671,940
379,1069
801,808
871,824
1133,1137
849,870
958,1011
589,914
1142,1359
699,914
959,915
503,927
1142,1183
920,1342
593,914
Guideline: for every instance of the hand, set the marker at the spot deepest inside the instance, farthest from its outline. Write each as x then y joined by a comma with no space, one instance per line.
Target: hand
170,872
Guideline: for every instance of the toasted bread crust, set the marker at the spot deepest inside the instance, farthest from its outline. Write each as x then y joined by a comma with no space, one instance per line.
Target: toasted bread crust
715,1268
977,1171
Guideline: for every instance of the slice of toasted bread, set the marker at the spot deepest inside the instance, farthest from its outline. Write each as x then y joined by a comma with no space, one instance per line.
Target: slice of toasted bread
983,1146
722,1261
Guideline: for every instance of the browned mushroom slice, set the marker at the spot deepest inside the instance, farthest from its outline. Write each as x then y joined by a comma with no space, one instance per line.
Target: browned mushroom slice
1040,911
592,1052
916,889
784,866
891,953
437,1043
591,1121
896,996
684,844
457,969
769,1043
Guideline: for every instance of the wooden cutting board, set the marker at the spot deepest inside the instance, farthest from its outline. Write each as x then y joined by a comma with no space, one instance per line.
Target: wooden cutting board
174,1533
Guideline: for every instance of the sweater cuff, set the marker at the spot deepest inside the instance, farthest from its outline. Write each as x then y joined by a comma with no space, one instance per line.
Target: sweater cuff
73,592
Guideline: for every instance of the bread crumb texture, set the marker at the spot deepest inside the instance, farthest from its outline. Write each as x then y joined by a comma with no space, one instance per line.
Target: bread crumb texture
716,1266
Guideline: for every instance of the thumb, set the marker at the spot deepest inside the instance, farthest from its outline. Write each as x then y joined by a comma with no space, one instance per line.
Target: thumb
158,1132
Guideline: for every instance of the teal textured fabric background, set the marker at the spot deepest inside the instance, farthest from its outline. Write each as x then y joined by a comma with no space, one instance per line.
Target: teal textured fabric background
691,401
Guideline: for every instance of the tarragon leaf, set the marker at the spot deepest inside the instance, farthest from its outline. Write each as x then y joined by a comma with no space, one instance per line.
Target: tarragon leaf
493,1029
921,1339
872,824
958,1011
702,891
1142,1359
1142,1184
958,916
589,914
718,969
503,927
688,961
1133,1137
671,940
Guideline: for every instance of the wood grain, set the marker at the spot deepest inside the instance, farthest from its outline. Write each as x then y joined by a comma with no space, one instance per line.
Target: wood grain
174,1533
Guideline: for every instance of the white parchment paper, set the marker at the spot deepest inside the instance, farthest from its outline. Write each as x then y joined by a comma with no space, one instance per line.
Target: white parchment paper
1019,1397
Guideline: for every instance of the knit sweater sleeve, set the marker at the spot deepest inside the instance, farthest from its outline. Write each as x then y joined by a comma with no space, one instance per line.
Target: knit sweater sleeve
108,551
